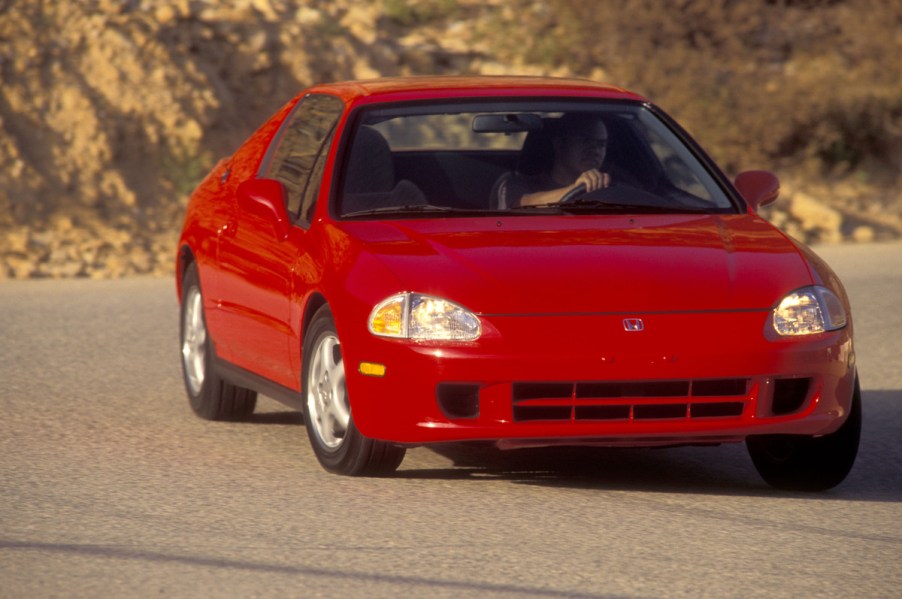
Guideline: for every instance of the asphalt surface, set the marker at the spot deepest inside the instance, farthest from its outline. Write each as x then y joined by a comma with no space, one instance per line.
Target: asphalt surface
112,488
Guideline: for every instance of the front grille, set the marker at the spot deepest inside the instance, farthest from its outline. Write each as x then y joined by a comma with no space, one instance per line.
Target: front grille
630,400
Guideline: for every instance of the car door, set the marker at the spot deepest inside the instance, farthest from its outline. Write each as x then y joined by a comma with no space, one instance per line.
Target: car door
256,264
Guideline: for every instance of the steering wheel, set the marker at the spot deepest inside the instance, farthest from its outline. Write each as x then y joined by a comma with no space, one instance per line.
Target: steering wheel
573,194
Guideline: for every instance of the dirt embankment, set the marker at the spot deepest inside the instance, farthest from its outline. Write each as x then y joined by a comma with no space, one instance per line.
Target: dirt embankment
111,111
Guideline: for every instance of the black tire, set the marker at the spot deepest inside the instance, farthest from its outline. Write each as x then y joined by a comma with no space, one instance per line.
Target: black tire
338,445
210,396
798,463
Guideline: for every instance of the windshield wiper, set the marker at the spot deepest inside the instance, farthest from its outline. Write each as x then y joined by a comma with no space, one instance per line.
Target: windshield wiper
419,209
589,205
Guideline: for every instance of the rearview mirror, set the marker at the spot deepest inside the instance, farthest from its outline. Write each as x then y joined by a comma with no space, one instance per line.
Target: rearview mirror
265,198
506,123
758,188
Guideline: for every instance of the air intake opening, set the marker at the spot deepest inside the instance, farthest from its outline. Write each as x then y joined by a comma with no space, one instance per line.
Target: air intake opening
458,400
789,395
651,412
720,387
526,413
542,391
632,389
726,409
602,412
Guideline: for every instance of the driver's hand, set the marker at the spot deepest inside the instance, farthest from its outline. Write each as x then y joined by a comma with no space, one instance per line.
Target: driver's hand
593,179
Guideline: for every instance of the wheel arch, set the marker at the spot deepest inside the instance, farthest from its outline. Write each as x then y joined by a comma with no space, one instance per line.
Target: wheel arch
184,259
316,301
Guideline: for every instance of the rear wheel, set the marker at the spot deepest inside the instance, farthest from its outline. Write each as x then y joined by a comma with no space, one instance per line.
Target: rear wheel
211,397
337,443
800,463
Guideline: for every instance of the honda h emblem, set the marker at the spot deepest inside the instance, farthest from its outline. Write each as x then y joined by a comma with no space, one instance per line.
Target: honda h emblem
633,324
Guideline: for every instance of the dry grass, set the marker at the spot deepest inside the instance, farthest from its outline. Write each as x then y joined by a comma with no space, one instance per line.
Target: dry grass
812,86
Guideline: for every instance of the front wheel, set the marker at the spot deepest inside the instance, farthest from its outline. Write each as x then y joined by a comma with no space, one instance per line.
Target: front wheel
799,463
337,443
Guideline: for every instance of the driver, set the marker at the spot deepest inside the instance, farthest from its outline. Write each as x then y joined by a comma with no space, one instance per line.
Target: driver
579,141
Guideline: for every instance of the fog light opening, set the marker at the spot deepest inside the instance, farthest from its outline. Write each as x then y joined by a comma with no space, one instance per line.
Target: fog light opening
458,400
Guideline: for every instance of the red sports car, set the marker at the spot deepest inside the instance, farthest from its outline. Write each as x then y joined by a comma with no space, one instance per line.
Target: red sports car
526,261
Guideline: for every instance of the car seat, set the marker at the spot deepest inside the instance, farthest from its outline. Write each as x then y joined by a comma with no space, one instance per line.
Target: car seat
536,154
369,181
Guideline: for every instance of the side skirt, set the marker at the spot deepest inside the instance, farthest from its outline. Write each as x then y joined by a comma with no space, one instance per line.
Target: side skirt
247,379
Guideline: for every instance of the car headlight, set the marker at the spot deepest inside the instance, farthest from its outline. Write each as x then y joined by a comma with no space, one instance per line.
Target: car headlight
808,311
423,317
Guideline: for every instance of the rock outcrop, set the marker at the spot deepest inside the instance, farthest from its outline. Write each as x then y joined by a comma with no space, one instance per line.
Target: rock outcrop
112,110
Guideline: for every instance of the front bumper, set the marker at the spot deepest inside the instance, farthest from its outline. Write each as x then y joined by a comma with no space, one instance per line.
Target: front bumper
584,379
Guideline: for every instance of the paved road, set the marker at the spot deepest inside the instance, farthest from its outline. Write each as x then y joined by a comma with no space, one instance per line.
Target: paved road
111,488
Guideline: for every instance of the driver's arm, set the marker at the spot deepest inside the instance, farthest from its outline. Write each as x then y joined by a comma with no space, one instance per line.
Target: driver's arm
593,179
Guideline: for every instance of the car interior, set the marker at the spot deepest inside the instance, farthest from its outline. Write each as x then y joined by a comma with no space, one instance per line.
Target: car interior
379,176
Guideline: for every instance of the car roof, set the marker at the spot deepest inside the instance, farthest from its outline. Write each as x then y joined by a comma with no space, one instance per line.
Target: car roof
408,88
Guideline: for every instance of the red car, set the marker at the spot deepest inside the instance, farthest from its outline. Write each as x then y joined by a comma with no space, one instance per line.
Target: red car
528,261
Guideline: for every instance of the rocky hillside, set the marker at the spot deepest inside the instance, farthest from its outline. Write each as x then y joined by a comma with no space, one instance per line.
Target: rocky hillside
112,110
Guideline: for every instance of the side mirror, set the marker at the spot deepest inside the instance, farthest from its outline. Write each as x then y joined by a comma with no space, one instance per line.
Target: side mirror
265,198
759,188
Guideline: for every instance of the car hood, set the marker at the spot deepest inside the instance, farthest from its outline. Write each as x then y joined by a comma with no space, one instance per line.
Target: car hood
589,264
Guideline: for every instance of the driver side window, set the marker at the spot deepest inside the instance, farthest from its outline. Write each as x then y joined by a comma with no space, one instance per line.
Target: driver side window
299,151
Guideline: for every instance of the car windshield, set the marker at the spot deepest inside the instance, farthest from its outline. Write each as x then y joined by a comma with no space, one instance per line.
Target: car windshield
472,158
